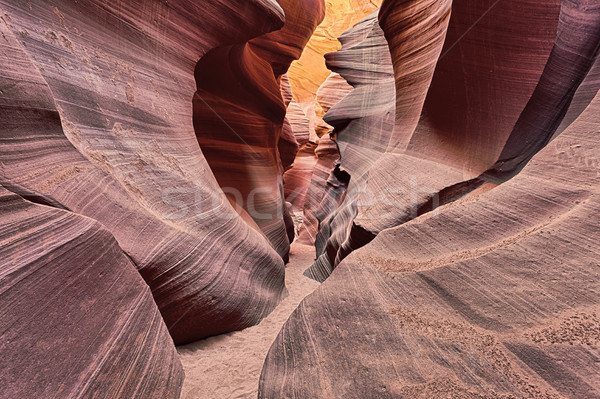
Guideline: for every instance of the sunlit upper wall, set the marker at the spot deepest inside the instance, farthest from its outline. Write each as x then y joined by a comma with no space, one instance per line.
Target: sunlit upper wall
309,72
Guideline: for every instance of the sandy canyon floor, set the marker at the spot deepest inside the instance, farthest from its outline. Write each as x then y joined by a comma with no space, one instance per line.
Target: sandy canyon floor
229,365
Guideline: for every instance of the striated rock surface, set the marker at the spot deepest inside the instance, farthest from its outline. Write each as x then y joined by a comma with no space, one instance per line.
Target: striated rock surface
287,148
76,318
289,141
363,123
239,113
447,173
484,281
317,201
489,106
363,119
297,178
331,92
97,118
324,191
495,295
309,72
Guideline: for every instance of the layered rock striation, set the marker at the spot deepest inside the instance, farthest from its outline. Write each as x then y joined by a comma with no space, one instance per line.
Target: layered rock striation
447,173
465,113
309,73
75,313
96,105
362,125
239,113
495,295
112,139
323,192
486,283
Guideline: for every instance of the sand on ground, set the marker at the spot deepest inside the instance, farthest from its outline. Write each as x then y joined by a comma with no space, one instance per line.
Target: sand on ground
228,366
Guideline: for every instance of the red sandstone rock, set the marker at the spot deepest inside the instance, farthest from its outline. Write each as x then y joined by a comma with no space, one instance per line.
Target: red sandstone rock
478,112
317,201
324,192
97,118
76,318
493,295
480,278
297,178
239,113
288,144
363,122
494,290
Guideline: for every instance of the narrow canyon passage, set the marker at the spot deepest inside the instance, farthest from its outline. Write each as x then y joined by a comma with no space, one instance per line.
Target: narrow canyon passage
229,365
299,199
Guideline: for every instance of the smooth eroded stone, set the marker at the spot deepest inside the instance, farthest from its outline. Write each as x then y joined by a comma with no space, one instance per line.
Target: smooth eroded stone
239,116
494,295
363,123
317,197
473,111
76,318
97,114
297,178
309,72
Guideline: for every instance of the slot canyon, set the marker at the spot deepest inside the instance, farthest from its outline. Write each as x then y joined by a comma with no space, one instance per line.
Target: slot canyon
299,199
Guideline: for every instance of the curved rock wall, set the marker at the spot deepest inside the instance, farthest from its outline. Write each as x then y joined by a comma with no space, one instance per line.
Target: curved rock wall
492,291
323,192
363,122
288,144
310,76
96,104
495,295
297,178
74,312
105,131
474,113
325,189
239,113
309,73
120,235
